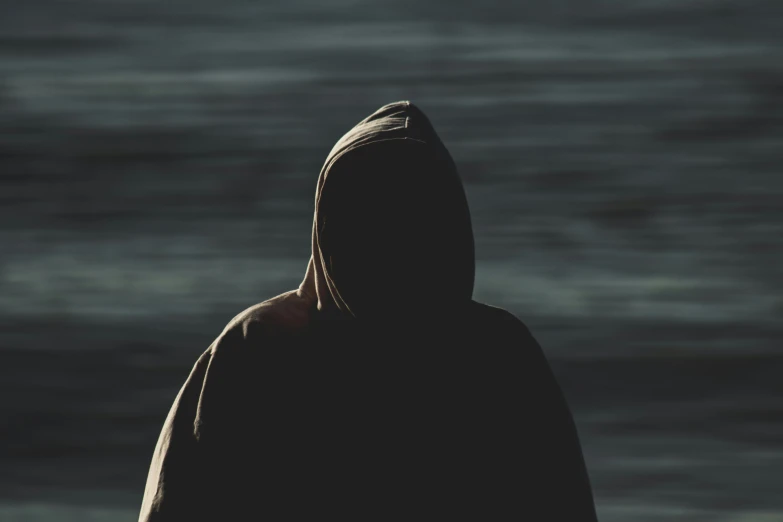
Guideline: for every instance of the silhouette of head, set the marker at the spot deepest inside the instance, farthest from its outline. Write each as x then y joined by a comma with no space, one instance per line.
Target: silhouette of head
392,230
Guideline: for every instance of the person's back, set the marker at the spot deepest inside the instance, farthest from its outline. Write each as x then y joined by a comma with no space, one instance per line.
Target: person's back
378,389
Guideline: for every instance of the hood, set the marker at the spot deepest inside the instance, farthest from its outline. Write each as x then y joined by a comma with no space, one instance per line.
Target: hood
391,230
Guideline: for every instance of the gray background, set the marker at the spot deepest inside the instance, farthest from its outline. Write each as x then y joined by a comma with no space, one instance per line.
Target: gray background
621,159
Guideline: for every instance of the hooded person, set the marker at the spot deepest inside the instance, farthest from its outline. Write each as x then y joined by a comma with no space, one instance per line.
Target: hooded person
379,389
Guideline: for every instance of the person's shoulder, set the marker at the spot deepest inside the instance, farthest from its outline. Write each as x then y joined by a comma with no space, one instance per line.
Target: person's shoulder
506,326
498,316
285,315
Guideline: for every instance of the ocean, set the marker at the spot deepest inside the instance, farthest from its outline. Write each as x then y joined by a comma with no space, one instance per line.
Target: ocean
621,161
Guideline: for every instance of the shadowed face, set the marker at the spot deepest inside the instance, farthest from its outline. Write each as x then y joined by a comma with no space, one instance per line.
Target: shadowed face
387,228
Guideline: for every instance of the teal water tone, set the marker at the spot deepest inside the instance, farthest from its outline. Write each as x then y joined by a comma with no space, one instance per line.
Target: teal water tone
157,172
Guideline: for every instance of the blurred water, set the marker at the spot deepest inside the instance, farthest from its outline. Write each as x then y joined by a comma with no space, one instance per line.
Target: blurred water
157,169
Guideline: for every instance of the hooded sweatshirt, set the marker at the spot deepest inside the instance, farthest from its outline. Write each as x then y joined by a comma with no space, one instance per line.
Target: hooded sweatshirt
378,389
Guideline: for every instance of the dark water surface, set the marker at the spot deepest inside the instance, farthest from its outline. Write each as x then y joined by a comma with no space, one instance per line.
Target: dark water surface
622,162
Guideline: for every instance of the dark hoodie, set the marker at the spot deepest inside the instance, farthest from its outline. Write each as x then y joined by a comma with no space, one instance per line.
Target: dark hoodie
379,389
